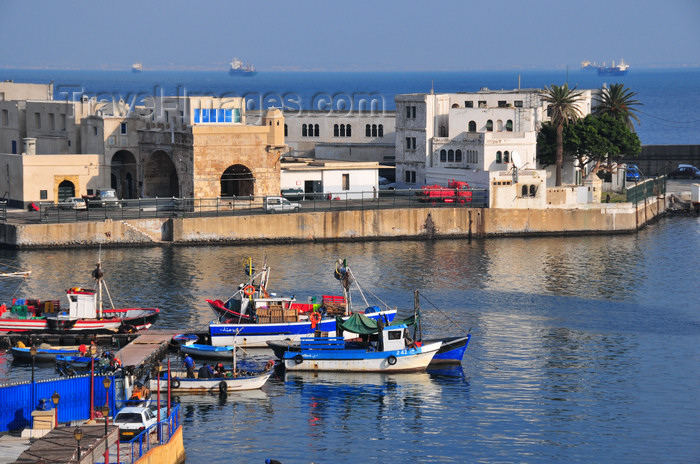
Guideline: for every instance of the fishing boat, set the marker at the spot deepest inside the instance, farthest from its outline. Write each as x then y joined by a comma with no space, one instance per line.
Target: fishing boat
43,354
179,383
85,313
381,349
197,350
257,316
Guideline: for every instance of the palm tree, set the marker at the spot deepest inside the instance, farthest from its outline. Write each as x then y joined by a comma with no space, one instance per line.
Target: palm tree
617,101
561,106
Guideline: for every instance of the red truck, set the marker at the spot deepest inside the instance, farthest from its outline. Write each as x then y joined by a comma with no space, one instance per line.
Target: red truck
455,192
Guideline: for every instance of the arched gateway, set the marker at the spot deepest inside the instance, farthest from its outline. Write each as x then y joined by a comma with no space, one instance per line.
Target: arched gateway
160,176
237,180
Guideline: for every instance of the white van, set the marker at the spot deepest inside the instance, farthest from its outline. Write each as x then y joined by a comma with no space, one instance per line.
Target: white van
280,204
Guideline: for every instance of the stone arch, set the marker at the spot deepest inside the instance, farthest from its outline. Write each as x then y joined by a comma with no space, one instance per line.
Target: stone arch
123,172
160,176
237,180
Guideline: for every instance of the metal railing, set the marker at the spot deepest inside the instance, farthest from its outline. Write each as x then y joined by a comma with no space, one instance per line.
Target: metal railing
250,205
640,191
156,435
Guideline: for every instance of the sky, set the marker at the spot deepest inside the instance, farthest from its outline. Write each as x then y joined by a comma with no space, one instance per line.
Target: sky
356,35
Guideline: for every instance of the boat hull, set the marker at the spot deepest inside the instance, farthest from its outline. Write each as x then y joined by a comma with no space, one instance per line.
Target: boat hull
131,319
42,355
214,385
208,351
451,352
359,360
257,335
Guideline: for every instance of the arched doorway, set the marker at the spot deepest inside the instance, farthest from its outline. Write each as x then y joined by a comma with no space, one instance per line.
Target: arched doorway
66,189
160,176
123,171
237,180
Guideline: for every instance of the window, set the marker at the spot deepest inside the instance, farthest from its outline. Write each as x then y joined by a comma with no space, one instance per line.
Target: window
533,190
458,156
342,130
498,157
509,125
368,130
346,181
94,130
506,157
443,131
122,128
336,130
52,121
410,143
43,194
303,130
410,112
374,130
410,177
472,126
5,118
348,130
62,120
380,130
523,191
37,120
316,131
469,104
14,147
213,115
443,156
502,104
518,103
450,156
285,130
489,125
482,104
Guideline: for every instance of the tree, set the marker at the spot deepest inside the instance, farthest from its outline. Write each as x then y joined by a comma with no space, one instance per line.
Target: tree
597,141
618,102
561,106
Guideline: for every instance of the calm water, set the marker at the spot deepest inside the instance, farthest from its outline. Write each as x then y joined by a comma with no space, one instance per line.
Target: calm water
670,96
584,349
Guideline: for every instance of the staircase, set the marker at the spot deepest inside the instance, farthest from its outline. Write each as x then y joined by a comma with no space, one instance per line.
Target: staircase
139,232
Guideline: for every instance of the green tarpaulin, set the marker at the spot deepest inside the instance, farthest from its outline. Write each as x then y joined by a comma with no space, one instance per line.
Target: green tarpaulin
360,324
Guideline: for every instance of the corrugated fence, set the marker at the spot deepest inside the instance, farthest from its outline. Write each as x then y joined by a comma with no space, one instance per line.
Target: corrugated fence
18,401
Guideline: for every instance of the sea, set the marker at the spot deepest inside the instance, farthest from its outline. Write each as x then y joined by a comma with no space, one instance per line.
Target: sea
584,349
668,116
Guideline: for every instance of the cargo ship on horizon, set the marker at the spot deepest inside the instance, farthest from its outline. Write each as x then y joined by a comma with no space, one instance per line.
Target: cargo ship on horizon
614,70
237,69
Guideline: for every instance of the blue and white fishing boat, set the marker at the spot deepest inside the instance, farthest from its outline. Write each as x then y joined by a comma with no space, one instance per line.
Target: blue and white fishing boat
46,354
197,350
382,349
260,317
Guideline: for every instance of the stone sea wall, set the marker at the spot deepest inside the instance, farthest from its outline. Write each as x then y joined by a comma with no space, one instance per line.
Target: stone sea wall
381,224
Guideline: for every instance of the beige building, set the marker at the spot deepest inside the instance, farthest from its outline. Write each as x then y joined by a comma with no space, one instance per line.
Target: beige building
168,147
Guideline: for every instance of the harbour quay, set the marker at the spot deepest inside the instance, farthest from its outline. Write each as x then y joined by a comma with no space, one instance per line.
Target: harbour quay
382,223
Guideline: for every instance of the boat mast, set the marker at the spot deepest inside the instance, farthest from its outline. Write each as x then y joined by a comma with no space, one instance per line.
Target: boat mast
97,274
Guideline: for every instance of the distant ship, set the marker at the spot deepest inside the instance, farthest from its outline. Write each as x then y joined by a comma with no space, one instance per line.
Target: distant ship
137,67
588,65
614,70
237,69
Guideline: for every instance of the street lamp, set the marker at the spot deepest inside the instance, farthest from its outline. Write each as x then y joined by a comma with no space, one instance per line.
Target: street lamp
33,351
55,398
105,414
78,435
106,381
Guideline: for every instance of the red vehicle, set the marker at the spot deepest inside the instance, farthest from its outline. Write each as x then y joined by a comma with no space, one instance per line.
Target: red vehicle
455,192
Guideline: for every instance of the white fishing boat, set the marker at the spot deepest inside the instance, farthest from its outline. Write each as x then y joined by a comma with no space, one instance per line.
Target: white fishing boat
382,349
179,383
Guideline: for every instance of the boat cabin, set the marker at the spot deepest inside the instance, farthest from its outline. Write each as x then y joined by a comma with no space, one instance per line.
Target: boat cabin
83,303
394,338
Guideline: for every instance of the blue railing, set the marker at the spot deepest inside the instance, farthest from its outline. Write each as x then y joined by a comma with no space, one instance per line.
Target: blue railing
17,401
156,435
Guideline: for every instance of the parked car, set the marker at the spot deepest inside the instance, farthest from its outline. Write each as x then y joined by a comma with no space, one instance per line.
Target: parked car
633,173
106,198
384,184
685,171
280,204
73,203
293,194
132,420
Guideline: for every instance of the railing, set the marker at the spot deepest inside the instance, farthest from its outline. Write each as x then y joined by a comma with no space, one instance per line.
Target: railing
649,188
250,205
156,435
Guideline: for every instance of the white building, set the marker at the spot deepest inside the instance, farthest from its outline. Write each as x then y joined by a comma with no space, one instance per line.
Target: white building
467,135
342,179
